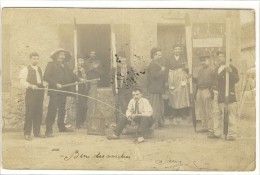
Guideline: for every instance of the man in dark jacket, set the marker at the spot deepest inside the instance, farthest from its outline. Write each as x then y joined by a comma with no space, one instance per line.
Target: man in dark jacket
156,86
57,74
220,76
84,88
123,76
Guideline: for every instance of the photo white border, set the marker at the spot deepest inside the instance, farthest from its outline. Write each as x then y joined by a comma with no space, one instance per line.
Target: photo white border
143,4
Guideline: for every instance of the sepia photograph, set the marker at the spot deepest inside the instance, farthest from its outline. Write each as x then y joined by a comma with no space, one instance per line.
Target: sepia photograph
124,89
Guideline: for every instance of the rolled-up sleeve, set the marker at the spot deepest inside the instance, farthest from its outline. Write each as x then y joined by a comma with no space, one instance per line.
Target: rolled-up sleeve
23,78
147,109
129,108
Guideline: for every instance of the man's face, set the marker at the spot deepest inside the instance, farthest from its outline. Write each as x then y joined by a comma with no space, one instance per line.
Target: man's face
122,60
92,54
80,62
136,95
34,60
177,51
204,62
61,56
221,58
158,55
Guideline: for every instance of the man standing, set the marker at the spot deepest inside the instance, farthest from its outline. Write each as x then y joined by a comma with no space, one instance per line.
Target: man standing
139,111
57,74
125,77
156,86
205,94
94,71
31,79
177,84
82,89
93,66
220,75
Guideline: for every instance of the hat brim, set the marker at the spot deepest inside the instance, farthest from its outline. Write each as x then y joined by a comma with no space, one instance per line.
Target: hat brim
54,55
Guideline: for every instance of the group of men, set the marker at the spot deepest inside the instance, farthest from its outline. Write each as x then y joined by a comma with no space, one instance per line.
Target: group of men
166,80
56,76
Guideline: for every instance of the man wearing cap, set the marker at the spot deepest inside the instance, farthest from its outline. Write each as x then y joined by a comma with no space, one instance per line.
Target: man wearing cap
124,74
57,74
31,79
177,83
156,86
204,94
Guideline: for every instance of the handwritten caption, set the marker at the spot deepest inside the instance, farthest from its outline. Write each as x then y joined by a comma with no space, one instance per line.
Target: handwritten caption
78,155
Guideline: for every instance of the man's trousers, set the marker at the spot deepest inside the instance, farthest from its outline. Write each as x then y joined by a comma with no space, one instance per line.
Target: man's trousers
57,102
144,123
204,101
33,111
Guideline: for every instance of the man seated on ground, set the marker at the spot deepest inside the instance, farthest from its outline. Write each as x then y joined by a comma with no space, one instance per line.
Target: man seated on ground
139,111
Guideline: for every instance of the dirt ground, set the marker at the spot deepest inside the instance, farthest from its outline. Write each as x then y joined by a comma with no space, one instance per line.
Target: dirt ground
176,147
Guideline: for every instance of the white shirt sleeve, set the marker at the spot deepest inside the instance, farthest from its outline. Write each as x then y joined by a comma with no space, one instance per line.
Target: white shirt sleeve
23,78
147,108
129,108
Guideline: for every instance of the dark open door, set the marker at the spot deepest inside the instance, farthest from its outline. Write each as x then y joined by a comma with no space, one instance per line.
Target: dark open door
169,35
90,37
96,37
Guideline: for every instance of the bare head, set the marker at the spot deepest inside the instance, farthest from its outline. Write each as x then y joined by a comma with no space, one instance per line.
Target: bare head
81,61
177,50
137,94
221,56
92,54
204,60
34,58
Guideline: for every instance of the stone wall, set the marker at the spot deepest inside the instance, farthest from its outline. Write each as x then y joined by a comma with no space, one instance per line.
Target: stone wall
39,30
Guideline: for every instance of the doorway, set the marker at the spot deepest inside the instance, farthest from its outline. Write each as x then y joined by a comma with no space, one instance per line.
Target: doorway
96,37
169,35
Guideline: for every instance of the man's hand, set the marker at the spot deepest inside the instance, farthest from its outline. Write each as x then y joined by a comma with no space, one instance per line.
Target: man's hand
33,87
211,94
82,80
45,84
59,86
228,69
114,65
163,68
189,76
95,65
75,70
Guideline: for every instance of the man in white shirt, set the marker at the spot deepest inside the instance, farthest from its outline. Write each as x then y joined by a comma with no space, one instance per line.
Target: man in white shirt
139,111
31,79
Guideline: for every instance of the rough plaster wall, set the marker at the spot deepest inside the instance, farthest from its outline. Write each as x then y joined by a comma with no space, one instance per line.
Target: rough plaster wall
38,30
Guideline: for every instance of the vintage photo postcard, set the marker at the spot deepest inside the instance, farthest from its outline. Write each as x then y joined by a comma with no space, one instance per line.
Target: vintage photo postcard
129,89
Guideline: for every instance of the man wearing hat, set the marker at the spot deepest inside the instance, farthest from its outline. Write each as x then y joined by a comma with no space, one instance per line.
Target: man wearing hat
124,74
57,74
204,94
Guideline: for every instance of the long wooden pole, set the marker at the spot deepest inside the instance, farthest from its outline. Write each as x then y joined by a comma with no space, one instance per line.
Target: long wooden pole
76,60
114,62
188,32
226,115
